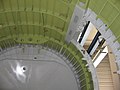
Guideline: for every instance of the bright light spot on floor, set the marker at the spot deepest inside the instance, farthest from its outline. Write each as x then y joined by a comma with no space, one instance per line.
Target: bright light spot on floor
19,70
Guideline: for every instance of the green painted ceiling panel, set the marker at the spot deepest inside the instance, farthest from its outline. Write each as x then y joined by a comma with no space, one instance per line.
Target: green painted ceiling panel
47,32
13,4
49,20
115,27
61,9
6,5
41,31
25,15
21,5
109,12
4,32
59,24
1,9
25,29
29,4
36,5
31,29
19,28
36,30
50,6
10,18
44,6
96,5
3,19
29,18
12,30
36,18
23,18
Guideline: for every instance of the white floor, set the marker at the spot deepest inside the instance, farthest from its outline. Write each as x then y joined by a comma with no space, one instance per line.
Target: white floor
32,68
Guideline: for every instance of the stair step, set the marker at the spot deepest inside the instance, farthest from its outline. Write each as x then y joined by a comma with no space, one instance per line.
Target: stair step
104,75
106,88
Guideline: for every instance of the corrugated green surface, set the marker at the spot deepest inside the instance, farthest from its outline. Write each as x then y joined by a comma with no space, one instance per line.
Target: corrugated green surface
35,17
49,17
109,12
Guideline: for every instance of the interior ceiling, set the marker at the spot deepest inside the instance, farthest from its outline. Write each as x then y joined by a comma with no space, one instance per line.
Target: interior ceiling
109,12
24,19
38,21
91,35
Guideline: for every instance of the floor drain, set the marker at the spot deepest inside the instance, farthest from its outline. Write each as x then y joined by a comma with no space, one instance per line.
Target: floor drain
35,57
24,68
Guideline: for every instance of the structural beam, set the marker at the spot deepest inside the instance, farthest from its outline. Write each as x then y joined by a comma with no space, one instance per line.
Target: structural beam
93,42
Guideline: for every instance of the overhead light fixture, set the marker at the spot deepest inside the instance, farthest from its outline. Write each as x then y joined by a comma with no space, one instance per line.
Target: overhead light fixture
100,57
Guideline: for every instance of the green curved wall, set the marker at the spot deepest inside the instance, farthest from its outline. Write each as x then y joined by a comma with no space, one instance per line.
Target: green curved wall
24,19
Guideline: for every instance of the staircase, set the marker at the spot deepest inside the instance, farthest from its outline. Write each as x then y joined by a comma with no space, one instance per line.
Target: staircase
104,75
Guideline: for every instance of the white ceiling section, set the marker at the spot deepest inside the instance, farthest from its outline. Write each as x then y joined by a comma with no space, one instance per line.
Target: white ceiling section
87,33
100,56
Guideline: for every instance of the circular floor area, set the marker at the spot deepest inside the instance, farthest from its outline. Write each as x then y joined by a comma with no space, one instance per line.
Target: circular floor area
34,68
